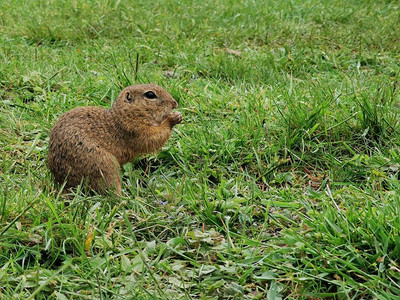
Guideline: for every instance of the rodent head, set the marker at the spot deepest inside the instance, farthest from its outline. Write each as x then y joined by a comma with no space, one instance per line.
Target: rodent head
142,104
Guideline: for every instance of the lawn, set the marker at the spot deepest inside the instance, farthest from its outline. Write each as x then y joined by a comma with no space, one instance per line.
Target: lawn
282,182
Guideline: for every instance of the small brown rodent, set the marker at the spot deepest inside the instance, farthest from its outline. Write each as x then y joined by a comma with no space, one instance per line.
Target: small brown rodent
90,144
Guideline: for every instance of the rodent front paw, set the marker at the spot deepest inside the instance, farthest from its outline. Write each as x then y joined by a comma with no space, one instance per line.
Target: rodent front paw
176,117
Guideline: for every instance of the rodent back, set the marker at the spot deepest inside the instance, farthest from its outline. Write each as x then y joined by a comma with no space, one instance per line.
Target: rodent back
88,127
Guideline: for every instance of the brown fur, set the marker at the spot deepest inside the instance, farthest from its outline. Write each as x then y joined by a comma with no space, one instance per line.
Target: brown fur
90,144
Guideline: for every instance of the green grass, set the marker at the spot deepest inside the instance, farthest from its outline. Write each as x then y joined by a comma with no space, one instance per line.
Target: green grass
281,183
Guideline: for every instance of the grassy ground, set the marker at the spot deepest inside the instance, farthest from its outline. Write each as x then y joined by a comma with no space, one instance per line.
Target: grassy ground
282,182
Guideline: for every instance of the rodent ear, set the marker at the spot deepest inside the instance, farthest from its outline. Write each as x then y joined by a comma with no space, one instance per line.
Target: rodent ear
128,97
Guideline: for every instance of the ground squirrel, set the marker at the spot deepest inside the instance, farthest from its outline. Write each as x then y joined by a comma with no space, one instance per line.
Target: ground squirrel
90,144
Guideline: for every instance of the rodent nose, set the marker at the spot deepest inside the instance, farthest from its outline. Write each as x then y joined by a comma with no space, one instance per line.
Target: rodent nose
174,104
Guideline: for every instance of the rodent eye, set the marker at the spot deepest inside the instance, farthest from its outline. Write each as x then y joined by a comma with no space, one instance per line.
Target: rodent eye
150,95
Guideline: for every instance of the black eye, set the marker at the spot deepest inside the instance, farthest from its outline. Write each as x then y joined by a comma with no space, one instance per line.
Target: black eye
150,95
